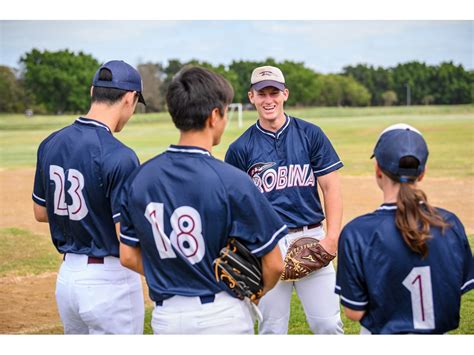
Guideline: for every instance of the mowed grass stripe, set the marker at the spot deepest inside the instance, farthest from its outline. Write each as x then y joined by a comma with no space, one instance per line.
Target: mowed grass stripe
449,131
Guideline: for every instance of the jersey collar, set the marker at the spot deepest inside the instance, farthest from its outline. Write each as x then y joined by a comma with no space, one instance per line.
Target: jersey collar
187,149
276,134
91,122
387,207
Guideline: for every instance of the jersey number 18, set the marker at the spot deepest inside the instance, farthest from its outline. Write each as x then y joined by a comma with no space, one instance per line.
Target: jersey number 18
186,236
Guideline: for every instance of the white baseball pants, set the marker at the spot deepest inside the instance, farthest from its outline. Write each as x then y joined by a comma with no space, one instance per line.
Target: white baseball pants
187,315
316,293
99,298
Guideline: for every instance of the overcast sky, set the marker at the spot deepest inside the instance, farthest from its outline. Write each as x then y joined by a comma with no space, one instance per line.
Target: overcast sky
325,46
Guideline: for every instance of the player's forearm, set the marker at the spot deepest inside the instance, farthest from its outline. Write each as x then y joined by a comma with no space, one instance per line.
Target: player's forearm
131,258
353,315
333,208
40,212
331,188
272,268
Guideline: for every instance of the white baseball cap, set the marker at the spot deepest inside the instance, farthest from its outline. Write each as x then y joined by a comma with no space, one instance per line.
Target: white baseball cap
265,76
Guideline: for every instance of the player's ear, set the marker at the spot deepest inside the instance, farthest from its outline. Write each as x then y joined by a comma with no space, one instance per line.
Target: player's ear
130,97
213,117
286,93
421,176
251,96
378,171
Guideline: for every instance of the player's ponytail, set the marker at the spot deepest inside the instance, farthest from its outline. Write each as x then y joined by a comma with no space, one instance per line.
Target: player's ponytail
415,215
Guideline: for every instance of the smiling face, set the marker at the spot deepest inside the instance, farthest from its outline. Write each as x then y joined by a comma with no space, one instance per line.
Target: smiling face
269,103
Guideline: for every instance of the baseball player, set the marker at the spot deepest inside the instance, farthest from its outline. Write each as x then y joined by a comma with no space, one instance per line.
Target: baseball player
404,267
287,157
79,173
180,208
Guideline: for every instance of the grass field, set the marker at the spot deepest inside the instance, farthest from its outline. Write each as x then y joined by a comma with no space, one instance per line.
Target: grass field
449,131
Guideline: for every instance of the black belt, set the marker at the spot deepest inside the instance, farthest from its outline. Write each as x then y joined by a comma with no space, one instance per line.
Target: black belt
204,300
299,229
90,259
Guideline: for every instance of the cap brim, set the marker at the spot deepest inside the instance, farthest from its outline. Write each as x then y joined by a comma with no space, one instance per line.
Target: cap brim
266,83
373,155
140,98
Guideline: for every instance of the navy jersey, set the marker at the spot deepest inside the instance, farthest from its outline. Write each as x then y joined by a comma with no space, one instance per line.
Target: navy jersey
181,207
285,165
79,173
401,292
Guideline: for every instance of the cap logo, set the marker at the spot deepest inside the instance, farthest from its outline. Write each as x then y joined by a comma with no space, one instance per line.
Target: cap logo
266,73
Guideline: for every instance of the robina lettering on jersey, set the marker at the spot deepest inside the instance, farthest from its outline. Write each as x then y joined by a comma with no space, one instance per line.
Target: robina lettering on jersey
267,178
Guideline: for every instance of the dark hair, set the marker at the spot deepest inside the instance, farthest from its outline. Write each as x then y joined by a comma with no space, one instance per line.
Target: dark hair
106,95
192,95
415,215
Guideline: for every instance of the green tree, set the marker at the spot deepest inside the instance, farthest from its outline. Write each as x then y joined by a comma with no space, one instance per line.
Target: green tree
59,80
389,98
11,91
417,76
451,84
339,90
302,83
376,80
243,71
153,78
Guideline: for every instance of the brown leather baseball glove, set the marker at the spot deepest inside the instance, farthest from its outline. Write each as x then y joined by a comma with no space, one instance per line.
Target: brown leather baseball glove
304,256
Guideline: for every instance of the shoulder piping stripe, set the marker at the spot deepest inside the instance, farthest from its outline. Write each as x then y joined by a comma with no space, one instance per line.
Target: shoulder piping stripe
170,149
129,238
270,241
353,302
467,284
329,167
116,215
39,198
93,123
338,287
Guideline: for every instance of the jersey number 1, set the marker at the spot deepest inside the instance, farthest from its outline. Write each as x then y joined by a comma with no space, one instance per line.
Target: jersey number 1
418,282
78,209
186,236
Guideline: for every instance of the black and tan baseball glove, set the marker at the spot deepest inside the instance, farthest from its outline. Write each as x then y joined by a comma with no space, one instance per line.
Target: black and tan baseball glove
239,270
304,256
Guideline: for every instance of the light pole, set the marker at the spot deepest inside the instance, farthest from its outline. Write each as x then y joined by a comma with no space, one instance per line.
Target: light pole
408,94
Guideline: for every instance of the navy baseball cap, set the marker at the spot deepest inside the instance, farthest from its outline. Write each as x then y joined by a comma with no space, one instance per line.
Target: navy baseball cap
124,77
396,142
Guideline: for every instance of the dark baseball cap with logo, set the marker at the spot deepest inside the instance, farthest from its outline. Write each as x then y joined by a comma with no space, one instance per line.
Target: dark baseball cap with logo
265,76
396,142
124,77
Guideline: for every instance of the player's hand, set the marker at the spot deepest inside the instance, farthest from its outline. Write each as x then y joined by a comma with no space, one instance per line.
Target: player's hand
330,245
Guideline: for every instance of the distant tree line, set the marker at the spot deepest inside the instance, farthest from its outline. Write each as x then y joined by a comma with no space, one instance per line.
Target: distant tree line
59,82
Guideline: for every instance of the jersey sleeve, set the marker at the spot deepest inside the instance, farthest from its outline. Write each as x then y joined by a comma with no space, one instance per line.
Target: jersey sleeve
118,169
39,195
324,158
468,271
128,234
235,157
350,282
254,221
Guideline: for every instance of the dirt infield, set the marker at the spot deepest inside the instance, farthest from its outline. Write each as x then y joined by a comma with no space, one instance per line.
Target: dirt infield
27,304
